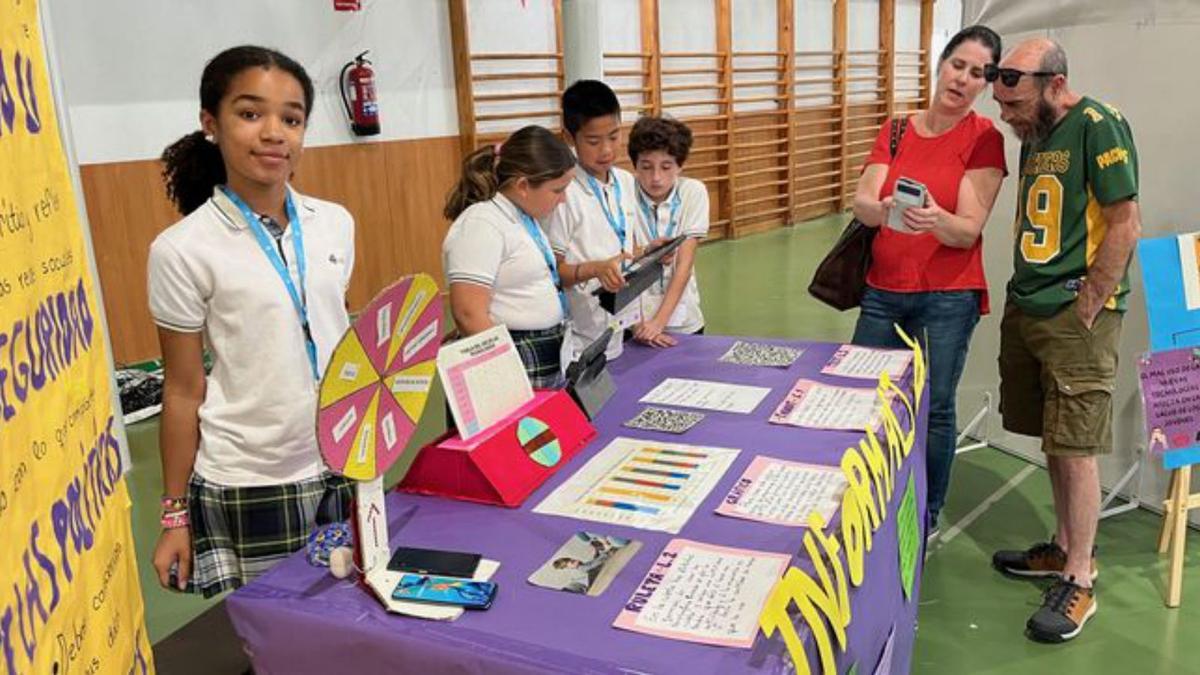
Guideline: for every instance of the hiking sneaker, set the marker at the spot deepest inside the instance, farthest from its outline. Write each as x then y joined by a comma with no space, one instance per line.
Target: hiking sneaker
1065,609
1045,559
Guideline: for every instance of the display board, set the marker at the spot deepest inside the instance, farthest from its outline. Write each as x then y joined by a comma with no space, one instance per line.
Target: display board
68,557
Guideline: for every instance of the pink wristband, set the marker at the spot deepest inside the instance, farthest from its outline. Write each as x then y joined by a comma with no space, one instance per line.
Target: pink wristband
174,519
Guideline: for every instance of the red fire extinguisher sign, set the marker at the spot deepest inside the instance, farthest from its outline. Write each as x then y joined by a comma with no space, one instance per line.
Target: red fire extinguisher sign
357,83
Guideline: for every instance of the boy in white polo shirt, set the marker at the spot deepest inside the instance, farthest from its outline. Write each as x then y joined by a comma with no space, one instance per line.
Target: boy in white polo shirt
670,205
599,219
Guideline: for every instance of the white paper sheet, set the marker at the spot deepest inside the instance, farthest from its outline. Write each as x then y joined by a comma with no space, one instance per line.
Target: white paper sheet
638,483
1190,268
784,493
820,406
703,593
483,379
867,363
706,395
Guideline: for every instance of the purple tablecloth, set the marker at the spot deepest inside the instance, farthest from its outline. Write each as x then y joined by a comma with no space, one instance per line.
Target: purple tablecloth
299,619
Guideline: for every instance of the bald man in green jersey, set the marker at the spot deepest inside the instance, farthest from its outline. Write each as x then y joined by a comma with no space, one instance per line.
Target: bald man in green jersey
1076,227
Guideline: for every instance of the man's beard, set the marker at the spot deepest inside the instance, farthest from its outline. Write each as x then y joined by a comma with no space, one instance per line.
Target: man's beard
1040,127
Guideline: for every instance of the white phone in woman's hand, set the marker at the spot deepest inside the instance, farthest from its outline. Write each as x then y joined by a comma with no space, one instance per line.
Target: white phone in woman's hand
908,193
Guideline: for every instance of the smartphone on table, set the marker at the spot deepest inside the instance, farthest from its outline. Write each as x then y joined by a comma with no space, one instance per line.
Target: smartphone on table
466,593
433,561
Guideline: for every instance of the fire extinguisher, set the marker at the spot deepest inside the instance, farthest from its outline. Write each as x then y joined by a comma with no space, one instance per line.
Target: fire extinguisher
357,83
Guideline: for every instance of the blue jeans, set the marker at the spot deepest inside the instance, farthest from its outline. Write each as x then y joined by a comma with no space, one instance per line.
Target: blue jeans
943,321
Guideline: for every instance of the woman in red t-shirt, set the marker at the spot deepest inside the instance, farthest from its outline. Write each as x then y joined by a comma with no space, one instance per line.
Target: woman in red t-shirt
927,276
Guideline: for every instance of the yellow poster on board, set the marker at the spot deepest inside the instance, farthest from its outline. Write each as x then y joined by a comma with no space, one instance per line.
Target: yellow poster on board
69,595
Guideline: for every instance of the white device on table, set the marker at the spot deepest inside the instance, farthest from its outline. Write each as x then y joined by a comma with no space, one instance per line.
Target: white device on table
908,193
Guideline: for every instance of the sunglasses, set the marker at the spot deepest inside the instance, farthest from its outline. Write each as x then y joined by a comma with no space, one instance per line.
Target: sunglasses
1011,76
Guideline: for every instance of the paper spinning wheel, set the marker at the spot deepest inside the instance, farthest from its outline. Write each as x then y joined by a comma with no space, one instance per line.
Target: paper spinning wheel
378,379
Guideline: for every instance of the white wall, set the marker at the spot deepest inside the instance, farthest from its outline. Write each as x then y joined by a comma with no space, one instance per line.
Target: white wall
131,68
688,26
514,26
1122,62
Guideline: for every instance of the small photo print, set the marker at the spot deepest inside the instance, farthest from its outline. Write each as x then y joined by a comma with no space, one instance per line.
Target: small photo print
587,563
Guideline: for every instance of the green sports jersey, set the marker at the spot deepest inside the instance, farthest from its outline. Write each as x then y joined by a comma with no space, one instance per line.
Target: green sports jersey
1086,162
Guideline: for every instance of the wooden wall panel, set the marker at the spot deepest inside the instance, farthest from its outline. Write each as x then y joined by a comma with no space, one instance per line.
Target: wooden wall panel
421,174
395,190
127,208
356,177
706,163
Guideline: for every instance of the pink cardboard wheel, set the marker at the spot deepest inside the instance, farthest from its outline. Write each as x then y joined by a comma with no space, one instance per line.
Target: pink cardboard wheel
377,382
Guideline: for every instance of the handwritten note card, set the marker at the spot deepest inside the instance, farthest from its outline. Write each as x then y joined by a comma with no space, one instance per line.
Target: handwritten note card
703,593
867,363
706,395
819,406
784,493
1171,398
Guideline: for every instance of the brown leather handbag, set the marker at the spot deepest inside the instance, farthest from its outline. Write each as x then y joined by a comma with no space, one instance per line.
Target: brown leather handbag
841,277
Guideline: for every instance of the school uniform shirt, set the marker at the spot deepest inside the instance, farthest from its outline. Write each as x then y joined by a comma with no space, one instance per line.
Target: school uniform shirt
488,245
690,219
580,232
207,274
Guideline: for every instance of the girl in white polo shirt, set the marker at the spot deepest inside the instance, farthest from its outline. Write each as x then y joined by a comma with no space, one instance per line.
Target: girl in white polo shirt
669,205
257,273
498,261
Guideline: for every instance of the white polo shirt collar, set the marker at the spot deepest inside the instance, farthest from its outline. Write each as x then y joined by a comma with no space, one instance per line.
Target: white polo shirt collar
231,215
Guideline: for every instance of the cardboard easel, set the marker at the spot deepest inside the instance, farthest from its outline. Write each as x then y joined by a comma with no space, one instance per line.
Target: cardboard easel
1180,499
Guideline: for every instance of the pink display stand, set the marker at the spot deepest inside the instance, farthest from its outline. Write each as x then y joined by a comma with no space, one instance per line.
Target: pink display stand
503,464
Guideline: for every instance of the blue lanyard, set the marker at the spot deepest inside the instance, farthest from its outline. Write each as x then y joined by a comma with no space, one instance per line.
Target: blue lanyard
535,233
651,213
619,230
264,242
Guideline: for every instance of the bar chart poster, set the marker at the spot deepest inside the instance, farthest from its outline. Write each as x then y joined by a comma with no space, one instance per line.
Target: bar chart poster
638,483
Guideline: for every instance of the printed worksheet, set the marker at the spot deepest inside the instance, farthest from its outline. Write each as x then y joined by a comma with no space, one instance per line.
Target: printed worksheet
706,395
784,493
639,483
484,380
868,363
820,406
703,593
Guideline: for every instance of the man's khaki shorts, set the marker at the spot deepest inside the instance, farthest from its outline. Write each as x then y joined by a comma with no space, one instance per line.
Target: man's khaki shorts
1057,379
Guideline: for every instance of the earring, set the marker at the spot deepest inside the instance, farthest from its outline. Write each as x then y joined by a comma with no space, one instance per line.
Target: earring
211,138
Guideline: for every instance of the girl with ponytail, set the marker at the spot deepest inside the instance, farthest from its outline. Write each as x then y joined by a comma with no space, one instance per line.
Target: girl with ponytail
256,273
498,261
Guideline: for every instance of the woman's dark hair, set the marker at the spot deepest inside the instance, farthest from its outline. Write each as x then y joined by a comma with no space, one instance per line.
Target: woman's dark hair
660,133
193,164
981,34
532,153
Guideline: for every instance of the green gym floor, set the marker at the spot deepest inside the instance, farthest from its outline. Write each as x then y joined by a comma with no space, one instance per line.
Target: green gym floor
971,619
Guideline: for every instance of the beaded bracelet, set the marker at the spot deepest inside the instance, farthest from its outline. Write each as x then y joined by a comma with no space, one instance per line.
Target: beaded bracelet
174,503
174,519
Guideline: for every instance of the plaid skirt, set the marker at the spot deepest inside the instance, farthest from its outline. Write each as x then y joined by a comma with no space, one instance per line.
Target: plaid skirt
240,532
540,352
